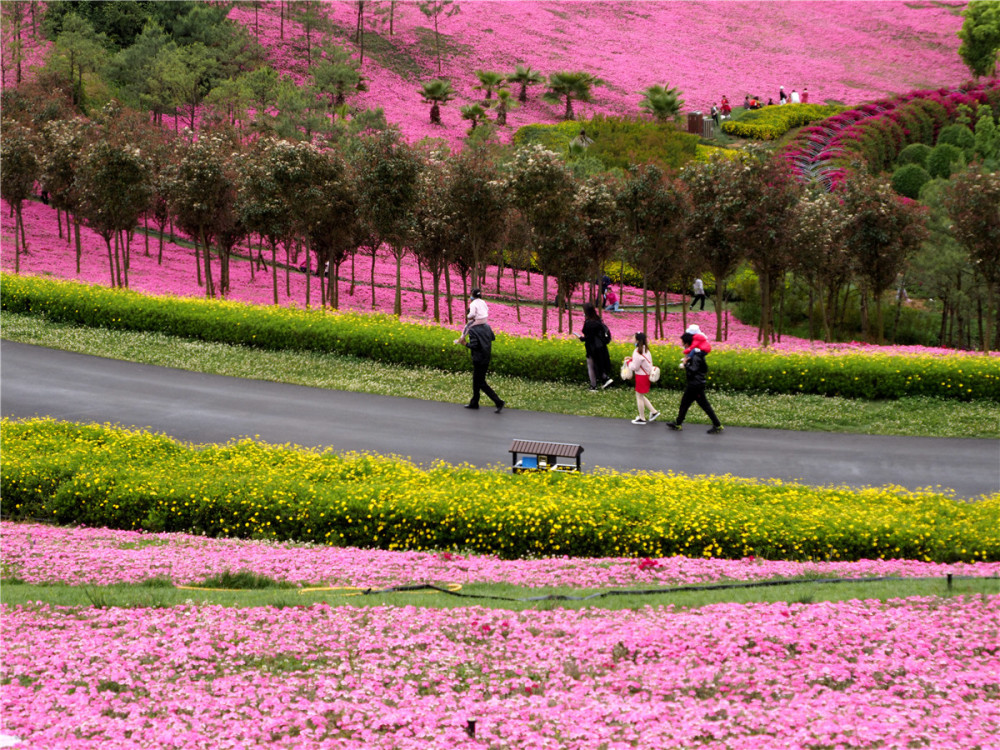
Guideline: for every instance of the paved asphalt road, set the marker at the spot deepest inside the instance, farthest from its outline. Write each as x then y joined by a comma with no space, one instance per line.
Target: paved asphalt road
191,406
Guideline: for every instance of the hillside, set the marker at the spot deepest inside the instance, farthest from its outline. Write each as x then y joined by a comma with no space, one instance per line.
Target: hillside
844,52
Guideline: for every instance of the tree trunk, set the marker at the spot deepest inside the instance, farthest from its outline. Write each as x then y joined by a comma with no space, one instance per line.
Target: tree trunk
274,267
111,259
159,257
209,286
545,302
436,281
17,239
517,298
397,304
118,259
447,292
645,303
423,294
79,246
372,275
197,260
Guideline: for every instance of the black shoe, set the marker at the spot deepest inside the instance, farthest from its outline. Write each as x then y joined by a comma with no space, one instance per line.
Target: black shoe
717,430
500,406
674,426
472,406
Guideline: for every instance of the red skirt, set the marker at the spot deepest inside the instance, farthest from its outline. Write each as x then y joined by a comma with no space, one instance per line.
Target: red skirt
641,382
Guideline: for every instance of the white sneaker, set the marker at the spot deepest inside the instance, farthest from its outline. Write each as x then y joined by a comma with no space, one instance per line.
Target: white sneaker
638,420
654,415
608,382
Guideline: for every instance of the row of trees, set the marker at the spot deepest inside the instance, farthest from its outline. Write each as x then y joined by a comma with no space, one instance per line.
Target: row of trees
485,206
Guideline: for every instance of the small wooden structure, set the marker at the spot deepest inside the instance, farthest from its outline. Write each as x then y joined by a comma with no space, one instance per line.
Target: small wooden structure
536,455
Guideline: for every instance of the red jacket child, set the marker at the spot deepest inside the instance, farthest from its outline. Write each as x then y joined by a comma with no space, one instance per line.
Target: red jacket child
699,341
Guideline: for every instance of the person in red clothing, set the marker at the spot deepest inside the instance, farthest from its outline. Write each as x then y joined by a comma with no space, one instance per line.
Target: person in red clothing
725,107
695,369
641,364
698,340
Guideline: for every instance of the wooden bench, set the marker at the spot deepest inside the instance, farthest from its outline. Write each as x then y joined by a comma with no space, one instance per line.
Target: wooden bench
536,455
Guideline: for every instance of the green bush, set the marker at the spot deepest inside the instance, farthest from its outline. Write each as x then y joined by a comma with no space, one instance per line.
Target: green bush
915,153
961,137
771,123
386,339
943,160
101,476
908,179
618,142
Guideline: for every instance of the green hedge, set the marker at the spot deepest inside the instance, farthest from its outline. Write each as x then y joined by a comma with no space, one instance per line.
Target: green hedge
101,476
385,339
771,123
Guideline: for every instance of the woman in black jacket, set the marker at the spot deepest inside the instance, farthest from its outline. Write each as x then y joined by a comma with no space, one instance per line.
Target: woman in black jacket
596,338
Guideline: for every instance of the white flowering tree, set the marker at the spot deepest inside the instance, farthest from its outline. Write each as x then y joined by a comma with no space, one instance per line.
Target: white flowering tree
63,144
202,197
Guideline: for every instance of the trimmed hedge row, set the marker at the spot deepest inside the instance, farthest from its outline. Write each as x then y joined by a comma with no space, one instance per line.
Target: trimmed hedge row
771,123
385,339
101,476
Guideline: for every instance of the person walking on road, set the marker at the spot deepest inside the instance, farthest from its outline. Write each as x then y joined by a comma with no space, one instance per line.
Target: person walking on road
480,344
695,369
596,338
699,294
641,364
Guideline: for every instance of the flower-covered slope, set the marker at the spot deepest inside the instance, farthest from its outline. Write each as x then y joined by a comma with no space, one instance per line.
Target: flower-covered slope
847,52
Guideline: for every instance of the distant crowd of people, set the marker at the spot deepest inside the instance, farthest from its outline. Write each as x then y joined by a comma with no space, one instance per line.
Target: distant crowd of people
724,109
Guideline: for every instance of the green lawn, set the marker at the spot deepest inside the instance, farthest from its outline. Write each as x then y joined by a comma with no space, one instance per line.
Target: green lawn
908,416
162,594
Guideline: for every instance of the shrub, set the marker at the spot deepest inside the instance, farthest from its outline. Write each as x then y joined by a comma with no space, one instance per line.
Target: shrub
943,160
908,179
915,153
101,476
618,142
961,137
386,339
771,123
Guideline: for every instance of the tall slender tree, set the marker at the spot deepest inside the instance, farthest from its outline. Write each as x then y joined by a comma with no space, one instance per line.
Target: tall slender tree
18,149
438,11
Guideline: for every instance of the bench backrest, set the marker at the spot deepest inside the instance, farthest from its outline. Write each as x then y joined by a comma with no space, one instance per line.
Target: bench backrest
540,448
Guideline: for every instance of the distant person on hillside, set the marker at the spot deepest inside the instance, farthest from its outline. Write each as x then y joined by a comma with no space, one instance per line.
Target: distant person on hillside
715,115
795,97
746,102
695,369
611,301
699,293
641,365
478,315
605,285
805,95
596,338
782,96
726,108
480,345
770,103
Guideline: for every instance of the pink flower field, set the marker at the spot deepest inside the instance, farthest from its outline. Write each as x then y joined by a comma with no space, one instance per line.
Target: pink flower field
50,255
846,52
905,673
917,672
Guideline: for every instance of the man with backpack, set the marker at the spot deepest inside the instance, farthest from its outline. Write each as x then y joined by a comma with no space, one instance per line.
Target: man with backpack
596,338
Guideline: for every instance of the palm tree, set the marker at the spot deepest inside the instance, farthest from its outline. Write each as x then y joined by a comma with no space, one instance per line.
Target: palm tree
488,81
524,76
474,113
570,85
663,103
504,102
436,93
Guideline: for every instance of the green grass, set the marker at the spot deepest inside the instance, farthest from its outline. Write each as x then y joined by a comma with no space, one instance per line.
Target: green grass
919,416
160,594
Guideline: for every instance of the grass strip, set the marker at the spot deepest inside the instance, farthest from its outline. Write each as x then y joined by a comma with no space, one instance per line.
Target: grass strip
158,594
912,415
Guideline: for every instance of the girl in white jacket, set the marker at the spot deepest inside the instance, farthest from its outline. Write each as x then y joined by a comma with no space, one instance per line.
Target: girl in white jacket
641,363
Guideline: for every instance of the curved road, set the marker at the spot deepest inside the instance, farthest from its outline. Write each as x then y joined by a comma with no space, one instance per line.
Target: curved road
191,406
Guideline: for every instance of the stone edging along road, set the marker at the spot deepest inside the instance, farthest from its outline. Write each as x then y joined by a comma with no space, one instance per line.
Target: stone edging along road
201,408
